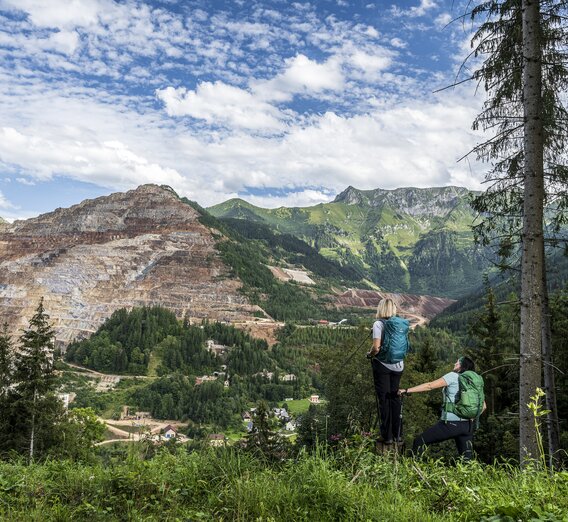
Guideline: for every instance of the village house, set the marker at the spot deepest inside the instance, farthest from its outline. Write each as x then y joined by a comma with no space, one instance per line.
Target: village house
169,432
266,374
281,413
67,398
290,425
216,349
314,399
289,377
204,378
127,414
216,439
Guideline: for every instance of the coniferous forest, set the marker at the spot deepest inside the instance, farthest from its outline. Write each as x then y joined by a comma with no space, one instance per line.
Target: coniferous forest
332,460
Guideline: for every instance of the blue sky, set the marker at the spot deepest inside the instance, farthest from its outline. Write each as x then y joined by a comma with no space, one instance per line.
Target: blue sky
280,103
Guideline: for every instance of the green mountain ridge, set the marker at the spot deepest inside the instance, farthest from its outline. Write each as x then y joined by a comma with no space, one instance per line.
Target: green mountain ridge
408,239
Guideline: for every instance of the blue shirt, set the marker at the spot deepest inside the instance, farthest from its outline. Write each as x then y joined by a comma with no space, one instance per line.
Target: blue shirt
449,394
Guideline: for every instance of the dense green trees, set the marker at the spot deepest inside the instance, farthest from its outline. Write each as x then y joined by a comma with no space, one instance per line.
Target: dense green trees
35,408
122,345
32,417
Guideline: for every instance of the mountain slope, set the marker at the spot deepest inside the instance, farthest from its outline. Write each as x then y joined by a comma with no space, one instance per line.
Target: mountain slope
142,247
406,240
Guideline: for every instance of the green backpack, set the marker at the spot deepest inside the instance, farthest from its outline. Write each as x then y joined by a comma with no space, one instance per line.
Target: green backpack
470,397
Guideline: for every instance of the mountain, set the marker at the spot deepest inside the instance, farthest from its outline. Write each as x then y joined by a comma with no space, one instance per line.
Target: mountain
142,247
406,240
150,247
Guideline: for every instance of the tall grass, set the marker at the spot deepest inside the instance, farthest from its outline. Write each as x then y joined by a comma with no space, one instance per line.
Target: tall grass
225,484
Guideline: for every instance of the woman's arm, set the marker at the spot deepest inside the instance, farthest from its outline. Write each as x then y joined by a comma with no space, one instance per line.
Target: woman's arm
427,386
376,347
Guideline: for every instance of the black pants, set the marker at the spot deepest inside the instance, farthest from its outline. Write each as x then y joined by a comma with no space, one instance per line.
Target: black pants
386,388
460,431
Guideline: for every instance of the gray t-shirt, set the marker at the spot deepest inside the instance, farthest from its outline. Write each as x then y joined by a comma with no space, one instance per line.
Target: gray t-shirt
449,394
378,334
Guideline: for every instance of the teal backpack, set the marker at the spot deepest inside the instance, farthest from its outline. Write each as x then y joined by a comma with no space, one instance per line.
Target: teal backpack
395,343
470,397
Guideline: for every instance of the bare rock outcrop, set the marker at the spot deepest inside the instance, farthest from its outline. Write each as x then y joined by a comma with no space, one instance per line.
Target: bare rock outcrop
142,247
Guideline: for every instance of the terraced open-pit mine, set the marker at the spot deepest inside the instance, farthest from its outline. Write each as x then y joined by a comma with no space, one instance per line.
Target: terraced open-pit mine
142,247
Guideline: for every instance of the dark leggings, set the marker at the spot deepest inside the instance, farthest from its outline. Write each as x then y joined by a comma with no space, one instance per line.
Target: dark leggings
386,388
460,431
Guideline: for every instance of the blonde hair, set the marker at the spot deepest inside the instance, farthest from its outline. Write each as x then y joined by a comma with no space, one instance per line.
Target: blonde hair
386,308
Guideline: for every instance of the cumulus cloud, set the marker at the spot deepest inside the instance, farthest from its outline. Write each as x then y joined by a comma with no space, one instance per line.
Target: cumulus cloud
221,103
65,15
302,76
443,20
109,163
416,11
217,103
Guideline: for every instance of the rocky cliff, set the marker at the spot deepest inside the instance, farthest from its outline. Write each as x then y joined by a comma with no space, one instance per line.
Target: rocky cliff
142,247
416,202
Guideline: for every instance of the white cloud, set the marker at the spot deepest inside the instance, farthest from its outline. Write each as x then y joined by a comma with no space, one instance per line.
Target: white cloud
443,20
302,76
416,11
65,15
398,43
25,181
108,163
66,42
221,103
371,63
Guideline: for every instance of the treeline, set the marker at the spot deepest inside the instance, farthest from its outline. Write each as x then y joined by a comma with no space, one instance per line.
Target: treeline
294,250
124,342
292,335
283,301
248,371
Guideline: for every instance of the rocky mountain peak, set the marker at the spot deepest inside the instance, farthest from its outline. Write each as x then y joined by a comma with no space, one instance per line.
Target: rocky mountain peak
409,200
350,196
144,208
141,247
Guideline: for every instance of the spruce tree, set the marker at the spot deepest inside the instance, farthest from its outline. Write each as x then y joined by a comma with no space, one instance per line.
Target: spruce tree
37,408
524,73
6,382
6,362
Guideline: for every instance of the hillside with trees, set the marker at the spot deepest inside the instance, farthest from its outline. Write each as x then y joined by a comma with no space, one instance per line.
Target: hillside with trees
404,240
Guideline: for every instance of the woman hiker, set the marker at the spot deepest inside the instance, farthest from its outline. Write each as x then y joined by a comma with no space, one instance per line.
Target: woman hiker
450,426
386,359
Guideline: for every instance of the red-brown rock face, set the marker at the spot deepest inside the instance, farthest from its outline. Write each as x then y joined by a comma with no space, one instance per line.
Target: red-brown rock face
142,247
419,309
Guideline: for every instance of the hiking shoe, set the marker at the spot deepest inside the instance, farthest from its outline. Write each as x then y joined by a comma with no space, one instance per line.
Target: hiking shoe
382,440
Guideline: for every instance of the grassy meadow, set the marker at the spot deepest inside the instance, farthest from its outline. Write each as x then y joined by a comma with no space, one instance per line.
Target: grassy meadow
225,484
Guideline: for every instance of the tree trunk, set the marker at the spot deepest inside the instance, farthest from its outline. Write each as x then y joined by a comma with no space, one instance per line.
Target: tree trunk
532,234
32,435
552,424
